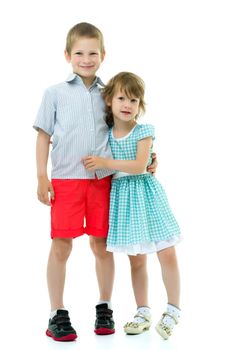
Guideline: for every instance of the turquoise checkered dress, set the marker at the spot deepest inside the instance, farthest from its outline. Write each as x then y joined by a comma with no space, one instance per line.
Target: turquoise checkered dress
140,216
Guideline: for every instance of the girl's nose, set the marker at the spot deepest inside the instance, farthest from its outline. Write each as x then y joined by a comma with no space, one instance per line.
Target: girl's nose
127,104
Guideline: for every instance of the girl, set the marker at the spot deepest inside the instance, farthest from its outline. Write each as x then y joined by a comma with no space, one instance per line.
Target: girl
141,220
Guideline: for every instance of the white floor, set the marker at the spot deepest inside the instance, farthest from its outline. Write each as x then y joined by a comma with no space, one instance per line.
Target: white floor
205,320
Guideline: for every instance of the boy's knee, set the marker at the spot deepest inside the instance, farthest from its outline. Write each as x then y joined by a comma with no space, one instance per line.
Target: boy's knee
98,247
61,249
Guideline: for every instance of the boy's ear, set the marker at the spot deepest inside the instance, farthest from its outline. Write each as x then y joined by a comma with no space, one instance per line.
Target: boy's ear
103,56
67,56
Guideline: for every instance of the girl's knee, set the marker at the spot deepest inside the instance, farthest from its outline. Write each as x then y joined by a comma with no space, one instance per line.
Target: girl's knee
138,262
168,255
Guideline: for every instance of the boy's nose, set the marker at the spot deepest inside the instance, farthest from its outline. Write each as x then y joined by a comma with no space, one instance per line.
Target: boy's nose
86,59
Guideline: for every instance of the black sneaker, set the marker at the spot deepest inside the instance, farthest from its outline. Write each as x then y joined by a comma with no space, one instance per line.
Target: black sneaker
104,323
60,328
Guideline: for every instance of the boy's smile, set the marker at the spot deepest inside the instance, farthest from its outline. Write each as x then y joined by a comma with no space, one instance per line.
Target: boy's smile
85,58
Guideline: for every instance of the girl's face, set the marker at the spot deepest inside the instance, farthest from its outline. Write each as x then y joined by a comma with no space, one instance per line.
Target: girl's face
123,107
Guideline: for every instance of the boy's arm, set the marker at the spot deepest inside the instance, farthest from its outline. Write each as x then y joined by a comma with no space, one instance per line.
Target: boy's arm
153,166
136,166
42,152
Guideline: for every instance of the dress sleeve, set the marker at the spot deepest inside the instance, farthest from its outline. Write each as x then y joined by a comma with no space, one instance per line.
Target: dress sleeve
145,130
46,114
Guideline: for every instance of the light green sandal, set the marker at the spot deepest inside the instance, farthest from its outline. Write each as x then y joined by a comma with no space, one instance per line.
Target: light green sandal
163,329
138,328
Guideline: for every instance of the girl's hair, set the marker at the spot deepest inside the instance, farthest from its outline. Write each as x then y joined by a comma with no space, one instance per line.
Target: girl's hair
84,30
128,83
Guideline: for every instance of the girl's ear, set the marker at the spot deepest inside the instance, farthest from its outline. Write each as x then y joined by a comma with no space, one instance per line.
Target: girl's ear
108,101
67,56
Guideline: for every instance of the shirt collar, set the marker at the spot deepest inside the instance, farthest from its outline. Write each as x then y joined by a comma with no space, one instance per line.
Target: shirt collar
75,77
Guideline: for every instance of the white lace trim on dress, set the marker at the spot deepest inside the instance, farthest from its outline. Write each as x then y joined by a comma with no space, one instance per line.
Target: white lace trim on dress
144,248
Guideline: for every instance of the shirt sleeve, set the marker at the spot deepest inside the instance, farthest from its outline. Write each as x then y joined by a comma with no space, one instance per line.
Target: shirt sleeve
46,115
146,130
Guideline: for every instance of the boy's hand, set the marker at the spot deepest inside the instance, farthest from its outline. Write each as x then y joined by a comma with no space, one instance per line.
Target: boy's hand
93,163
152,168
44,187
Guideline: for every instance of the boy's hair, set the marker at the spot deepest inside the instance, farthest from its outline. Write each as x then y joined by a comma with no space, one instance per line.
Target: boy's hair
84,30
128,83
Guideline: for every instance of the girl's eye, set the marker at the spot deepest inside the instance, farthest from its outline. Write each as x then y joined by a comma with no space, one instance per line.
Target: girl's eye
120,98
78,53
134,100
94,53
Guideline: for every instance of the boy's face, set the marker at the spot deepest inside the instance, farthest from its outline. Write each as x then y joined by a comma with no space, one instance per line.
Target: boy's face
85,58
123,107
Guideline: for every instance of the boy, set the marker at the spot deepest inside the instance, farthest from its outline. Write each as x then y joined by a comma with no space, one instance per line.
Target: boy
73,113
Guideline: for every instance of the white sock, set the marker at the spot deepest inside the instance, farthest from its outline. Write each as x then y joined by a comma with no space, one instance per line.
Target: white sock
54,312
105,302
145,311
174,311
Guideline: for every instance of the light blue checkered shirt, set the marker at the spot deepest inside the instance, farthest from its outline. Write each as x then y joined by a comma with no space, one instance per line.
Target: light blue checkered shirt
74,116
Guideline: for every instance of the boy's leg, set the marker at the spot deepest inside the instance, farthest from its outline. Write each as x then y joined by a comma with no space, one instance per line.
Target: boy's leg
97,213
56,270
59,327
67,215
171,280
105,271
142,319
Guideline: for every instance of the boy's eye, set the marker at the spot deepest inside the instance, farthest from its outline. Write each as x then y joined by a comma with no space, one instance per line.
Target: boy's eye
78,53
94,53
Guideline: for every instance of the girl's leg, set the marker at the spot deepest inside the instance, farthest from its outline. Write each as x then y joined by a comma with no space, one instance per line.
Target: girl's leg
56,270
170,274
139,279
105,269
142,319
171,279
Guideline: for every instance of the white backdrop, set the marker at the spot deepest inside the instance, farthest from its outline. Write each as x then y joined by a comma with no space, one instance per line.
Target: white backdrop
183,51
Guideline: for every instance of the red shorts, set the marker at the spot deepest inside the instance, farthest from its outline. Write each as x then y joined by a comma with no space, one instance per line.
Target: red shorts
76,200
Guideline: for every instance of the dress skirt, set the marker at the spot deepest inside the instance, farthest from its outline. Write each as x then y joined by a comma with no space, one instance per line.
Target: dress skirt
140,216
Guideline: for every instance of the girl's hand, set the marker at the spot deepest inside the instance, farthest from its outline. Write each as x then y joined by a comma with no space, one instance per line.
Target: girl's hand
152,168
44,187
93,163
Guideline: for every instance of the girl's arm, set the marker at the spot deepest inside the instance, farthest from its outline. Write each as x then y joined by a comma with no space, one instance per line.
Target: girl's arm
136,166
42,152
